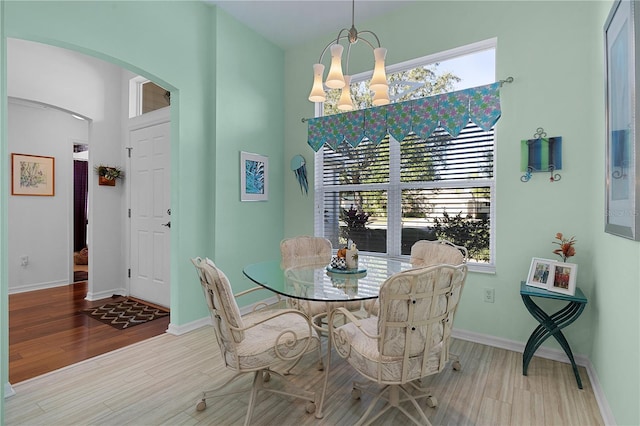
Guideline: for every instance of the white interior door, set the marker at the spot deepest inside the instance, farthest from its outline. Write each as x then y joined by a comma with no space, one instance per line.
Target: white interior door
150,213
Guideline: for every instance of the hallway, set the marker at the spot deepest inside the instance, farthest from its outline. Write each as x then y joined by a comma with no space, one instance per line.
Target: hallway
47,331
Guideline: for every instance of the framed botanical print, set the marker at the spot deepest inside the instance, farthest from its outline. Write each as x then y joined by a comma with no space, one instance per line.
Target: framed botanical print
621,204
32,175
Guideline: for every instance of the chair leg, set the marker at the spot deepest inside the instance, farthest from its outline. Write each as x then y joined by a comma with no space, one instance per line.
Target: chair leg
262,376
213,393
393,401
455,362
258,382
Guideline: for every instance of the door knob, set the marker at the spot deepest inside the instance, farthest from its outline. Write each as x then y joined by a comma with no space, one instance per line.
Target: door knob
168,224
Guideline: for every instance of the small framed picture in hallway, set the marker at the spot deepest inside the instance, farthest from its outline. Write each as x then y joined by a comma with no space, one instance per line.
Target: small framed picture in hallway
32,175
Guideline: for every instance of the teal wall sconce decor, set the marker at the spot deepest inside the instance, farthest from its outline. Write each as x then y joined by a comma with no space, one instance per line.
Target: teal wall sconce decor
541,154
299,167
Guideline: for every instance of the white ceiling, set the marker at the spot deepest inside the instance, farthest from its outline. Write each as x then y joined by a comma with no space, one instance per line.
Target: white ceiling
288,23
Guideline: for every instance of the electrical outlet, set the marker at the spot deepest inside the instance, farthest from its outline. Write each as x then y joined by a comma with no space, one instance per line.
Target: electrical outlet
489,295
24,261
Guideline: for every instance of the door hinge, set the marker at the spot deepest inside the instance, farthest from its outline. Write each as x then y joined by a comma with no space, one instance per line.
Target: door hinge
129,212
129,272
129,148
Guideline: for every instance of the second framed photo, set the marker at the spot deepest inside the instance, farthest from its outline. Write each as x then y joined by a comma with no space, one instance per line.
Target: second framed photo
564,278
541,272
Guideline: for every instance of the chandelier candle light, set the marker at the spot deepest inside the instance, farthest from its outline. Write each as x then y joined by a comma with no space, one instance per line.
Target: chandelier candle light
337,80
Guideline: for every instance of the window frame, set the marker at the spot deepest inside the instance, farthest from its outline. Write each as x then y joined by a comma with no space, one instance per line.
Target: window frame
395,187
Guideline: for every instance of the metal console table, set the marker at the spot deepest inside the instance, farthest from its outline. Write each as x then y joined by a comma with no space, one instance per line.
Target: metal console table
551,325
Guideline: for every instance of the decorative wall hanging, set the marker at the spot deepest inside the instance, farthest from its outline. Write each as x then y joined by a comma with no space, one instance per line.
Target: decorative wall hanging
450,111
107,175
254,177
541,154
32,175
621,171
299,167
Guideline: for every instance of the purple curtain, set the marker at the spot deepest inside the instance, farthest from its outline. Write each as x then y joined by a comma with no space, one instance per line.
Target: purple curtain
80,191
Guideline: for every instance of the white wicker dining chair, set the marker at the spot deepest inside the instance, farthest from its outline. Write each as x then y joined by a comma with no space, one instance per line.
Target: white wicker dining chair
429,253
409,340
257,342
307,250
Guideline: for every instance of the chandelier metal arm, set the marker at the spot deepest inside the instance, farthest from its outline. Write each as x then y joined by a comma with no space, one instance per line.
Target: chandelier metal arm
374,36
342,37
337,80
331,43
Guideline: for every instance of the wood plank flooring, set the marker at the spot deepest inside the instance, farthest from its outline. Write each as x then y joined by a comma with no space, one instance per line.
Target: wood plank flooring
47,331
159,381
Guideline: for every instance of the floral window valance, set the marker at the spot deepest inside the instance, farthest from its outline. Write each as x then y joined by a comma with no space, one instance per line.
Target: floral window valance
451,111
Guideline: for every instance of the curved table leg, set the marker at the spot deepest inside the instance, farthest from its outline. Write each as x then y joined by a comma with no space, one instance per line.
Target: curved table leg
551,326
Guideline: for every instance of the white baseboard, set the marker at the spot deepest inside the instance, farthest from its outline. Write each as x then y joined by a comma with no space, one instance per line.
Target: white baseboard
8,390
177,330
605,409
37,286
547,353
91,296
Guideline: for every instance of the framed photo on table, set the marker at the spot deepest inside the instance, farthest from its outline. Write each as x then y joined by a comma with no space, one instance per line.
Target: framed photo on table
254,177
564,278
541,272
621,169
32,175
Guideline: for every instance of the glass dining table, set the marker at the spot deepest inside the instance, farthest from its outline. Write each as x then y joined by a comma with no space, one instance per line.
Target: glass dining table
311,279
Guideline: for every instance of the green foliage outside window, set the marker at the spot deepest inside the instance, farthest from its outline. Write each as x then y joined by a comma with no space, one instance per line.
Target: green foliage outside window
465,231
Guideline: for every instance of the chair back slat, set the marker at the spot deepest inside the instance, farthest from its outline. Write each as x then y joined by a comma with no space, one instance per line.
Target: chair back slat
416,316
316,250
429,253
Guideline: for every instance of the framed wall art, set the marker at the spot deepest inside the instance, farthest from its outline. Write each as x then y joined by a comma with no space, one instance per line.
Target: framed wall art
621,170
541,272
254,177
32,175
564,278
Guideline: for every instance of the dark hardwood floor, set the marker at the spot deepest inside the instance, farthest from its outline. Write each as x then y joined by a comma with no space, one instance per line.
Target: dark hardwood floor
47,331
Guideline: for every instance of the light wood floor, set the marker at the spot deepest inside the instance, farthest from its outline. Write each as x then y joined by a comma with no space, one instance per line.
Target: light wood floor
47,331
158,382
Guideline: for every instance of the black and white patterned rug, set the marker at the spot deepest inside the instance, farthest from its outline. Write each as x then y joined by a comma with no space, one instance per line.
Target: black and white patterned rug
125,314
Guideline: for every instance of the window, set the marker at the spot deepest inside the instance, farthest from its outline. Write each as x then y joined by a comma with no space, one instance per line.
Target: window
386,197
146,96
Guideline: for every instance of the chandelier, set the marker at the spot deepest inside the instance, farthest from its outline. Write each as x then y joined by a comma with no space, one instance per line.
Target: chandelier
337,80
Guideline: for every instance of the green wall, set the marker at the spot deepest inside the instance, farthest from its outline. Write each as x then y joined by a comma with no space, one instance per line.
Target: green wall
554,51
250,117
229,96
223,101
